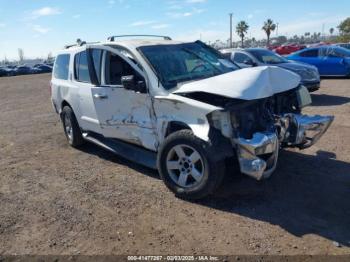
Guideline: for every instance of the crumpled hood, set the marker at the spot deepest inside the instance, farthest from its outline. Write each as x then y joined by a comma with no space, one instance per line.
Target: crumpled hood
248,84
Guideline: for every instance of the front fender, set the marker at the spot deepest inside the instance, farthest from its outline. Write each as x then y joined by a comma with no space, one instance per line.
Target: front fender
180,109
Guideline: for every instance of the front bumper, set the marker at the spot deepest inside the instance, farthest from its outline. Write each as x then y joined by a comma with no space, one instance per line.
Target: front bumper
258,156
304,131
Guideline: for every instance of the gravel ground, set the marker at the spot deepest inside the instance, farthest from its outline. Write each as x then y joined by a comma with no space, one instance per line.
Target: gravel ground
58,200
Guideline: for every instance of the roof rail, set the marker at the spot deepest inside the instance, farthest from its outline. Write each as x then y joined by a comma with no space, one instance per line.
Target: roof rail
79,43
112,38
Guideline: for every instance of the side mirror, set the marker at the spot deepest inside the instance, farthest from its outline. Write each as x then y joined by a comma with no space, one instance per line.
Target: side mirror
129,82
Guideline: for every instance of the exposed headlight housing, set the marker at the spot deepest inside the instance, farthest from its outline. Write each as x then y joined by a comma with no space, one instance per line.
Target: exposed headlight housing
303,96
221,120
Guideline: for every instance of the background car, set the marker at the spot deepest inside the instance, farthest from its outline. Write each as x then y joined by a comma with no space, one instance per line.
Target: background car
7,70
11,70
3,71
23,70
344,45
288,49
41,68
330,60
261,57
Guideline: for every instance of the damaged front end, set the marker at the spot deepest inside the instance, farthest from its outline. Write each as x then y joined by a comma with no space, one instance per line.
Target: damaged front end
259,128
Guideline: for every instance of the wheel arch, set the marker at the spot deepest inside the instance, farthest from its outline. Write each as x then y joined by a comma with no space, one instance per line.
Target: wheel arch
174,126
64,104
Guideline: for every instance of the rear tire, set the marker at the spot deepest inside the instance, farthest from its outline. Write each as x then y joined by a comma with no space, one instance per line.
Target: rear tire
71,127
188,165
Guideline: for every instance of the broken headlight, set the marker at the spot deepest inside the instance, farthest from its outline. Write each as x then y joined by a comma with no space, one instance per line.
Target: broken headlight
221,120
303,96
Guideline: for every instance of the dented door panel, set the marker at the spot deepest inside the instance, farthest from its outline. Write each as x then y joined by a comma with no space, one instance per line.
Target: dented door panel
125,115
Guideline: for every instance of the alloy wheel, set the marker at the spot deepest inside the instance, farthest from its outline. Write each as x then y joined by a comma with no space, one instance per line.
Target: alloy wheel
185,166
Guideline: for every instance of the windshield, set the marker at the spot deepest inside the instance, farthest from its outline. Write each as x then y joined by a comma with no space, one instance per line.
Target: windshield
185,62
267,57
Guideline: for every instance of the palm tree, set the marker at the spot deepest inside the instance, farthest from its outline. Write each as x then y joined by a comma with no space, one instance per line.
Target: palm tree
268,27
331,31
241,29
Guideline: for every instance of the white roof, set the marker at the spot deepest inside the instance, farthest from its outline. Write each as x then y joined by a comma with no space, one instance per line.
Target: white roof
142,42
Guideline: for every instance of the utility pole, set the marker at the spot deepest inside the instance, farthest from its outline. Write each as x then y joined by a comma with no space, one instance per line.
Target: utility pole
231,14
277,30
323,35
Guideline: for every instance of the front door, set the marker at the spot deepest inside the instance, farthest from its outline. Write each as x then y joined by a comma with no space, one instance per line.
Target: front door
122,113
332,62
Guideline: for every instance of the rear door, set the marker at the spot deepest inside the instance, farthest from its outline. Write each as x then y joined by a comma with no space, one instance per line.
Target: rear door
122,113
88,120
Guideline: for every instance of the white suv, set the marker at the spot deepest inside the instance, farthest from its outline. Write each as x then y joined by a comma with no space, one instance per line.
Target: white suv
181,108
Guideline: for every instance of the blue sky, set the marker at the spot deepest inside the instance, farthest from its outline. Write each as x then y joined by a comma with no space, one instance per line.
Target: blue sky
42,26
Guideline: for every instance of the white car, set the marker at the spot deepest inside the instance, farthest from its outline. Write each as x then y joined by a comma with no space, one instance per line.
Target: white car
181,108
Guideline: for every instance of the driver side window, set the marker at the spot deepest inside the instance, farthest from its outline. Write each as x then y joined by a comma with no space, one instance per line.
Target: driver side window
116,68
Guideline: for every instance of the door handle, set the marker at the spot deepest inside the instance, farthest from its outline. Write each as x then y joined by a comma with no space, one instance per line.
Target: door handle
100,96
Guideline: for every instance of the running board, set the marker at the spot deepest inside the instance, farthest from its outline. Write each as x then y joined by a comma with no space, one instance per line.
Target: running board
128,151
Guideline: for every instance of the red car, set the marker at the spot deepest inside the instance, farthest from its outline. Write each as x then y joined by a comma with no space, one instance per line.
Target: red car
272,47
288,49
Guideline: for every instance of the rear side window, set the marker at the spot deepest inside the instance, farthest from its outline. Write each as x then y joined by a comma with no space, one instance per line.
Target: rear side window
61,67
309,53
81,69
241,58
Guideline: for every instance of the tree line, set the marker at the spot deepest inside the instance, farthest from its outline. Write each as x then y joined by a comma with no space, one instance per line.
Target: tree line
269,26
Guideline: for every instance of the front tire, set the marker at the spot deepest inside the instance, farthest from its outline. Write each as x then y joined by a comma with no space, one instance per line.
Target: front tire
188,165
71,127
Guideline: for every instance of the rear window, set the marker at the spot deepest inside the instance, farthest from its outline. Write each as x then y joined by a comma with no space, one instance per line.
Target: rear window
61,67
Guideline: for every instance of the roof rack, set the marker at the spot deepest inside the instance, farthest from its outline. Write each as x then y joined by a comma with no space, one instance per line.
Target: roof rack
112,38
79,43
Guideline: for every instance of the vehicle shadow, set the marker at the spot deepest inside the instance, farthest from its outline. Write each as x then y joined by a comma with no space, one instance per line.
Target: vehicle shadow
328,100
334,77
306,195
92,149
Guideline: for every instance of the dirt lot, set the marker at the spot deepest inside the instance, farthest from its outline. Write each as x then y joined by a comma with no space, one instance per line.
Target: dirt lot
58,200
